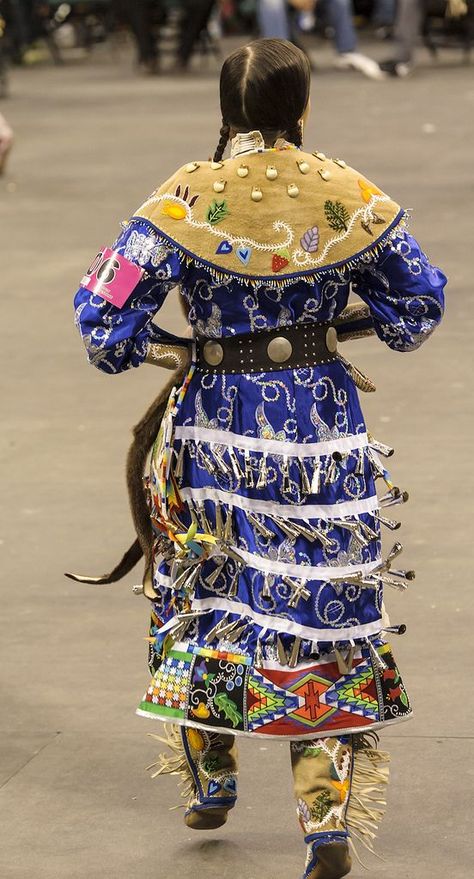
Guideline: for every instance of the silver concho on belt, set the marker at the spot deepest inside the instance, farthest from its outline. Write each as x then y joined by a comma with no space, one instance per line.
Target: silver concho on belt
331,340
213,353
279,349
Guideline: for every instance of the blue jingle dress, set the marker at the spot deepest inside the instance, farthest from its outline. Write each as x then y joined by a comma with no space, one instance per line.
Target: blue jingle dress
285,632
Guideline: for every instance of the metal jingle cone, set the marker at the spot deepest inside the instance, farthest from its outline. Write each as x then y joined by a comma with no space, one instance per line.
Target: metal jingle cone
332,472
295,652
219,524
220,461
398,499
400,585
367,530
344,664
305,483
285,472
299,591
178,470
360,466
234,583
383,448
282,657
404,575
287,527
262,472
266,591
258,655
316,478
395,630
353,527
212,578
391,524
208,462
260,526
201,509
214,632
238,472
228,534
237,633
395,551
248,470
305,531
377,467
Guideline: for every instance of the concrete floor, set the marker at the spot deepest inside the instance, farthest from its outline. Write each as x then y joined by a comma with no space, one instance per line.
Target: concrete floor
91,141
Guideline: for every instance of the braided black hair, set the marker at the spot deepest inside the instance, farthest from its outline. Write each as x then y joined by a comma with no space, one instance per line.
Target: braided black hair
294,134
223,141
264,86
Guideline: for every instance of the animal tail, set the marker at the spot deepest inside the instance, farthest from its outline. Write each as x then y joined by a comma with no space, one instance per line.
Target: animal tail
144,435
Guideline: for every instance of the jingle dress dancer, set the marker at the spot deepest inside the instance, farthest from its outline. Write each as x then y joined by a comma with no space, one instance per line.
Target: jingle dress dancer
267,573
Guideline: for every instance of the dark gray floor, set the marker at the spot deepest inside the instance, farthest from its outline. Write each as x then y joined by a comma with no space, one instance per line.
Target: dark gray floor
91,142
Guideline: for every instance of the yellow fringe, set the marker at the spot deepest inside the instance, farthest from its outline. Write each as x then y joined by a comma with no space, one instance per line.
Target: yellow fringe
175,763
367,803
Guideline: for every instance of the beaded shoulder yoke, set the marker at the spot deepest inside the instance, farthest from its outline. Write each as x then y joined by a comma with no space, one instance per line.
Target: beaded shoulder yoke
272,215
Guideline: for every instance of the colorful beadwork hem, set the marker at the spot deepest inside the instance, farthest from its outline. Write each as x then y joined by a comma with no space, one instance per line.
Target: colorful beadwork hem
210,689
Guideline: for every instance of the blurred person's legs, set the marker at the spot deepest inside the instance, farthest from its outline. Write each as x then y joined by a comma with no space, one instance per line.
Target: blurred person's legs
339,15
384,13
273,19
407,31
140,16
195,18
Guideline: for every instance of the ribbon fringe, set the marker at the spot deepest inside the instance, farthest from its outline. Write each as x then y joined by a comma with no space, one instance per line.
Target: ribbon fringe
367,801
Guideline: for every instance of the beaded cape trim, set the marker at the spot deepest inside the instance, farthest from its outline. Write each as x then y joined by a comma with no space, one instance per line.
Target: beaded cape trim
271,217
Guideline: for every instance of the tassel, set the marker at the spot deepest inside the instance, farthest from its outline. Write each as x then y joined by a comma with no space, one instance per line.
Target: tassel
258,655
370,776
219,524
234,584
395,551
368,531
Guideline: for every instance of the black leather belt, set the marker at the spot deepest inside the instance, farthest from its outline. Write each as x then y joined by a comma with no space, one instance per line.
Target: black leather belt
268,350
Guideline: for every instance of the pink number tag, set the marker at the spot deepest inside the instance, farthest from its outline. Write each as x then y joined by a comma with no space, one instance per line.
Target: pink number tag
112,276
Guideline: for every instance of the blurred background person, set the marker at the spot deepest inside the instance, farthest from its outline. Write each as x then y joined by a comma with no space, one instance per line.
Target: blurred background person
144,18
407,30
278,18
195,18
6,141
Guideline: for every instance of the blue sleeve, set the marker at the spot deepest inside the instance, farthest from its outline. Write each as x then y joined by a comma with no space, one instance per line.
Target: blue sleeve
117,338
403,291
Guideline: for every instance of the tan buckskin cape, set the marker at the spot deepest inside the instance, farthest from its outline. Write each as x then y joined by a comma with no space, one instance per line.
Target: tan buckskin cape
272,215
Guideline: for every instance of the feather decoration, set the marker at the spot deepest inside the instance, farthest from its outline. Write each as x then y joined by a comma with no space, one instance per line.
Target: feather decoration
310,240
